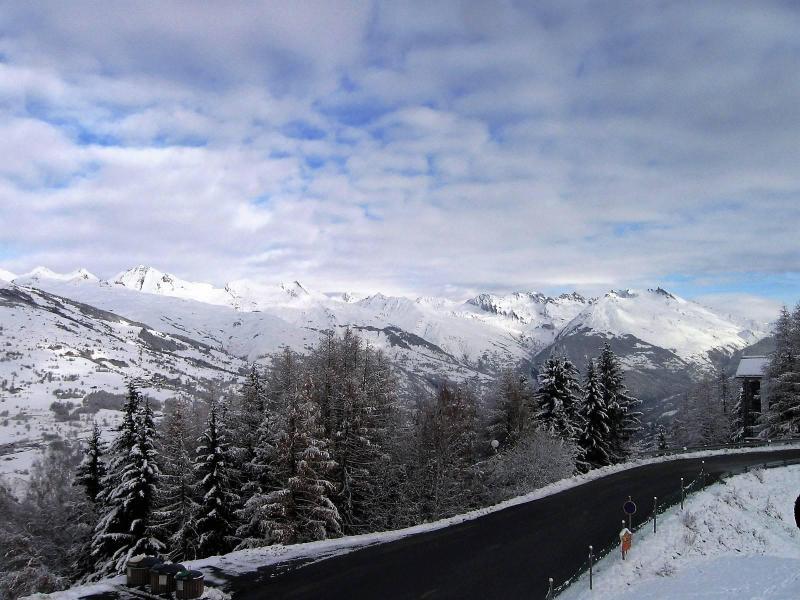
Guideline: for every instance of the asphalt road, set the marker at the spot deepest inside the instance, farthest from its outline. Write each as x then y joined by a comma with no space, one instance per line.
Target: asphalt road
505,555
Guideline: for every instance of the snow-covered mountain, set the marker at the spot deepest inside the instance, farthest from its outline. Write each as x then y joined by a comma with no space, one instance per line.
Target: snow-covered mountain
43,274
171,332
6,275
481,334
657,317
663,340
60,357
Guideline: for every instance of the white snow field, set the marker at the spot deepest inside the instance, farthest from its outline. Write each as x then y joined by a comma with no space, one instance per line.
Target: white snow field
735,541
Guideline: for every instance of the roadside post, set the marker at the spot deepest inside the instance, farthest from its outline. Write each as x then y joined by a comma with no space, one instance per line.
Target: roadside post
683,493
591,562
625,540
550,589
655,514
629,508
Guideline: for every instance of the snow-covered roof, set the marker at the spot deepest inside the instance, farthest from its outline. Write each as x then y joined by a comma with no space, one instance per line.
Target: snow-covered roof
752,366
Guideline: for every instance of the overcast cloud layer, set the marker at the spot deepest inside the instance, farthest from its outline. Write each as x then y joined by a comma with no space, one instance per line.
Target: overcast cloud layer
437,148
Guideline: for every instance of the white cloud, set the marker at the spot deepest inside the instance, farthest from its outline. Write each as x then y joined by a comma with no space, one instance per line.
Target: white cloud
387,146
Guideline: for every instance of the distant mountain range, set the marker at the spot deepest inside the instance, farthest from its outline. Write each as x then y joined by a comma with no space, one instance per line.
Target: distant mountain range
77,333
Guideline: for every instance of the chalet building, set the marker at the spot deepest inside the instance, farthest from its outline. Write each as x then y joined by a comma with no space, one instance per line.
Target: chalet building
752,375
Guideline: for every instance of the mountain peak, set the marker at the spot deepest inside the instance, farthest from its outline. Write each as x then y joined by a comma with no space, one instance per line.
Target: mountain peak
295,289
573,297
662,292
40,273
142,278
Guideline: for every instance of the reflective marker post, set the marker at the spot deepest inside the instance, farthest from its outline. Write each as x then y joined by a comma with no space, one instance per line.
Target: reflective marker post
591,560
682,493
655,513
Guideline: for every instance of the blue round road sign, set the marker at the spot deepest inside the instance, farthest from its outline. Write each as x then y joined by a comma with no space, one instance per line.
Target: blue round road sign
629,507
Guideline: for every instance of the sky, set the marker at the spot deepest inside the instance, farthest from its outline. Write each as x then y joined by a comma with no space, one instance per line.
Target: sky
438,148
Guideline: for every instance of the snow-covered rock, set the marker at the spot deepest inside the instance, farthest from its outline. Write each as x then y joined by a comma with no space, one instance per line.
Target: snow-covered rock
152,281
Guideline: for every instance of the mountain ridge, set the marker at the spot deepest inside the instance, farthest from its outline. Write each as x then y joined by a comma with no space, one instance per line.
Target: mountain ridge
148,325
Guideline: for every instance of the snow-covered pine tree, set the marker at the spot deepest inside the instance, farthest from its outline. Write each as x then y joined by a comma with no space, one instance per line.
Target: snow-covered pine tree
661,438
783,375
299,508
44,537
114,521
311,486
177,498
92,470
268,515
216,523
512,407
446,444
245,418
126,527
140,482
255,515
622,407
594,438
362,444
353,388
558,398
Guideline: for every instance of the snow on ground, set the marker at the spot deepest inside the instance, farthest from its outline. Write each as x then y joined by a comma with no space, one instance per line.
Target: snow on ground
736,539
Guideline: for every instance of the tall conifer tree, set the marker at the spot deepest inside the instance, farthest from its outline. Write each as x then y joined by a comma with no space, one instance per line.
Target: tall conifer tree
594,437
622,407
558,398
92,471
216,524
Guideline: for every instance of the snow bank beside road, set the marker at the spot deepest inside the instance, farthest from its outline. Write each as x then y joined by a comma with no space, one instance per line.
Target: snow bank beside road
733,540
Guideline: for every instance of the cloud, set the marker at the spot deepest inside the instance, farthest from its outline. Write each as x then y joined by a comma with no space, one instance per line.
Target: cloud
748,306
403,146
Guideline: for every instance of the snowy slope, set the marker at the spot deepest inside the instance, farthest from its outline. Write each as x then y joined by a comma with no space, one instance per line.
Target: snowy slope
734,540
60,350
657,317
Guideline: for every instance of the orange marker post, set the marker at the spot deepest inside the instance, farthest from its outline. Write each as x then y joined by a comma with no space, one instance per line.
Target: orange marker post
625,540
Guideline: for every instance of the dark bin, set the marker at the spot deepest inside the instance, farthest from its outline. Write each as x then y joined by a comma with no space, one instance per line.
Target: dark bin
137,570
189,585
162,578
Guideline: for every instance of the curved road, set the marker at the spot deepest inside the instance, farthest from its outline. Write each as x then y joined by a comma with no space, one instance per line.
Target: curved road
507,554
